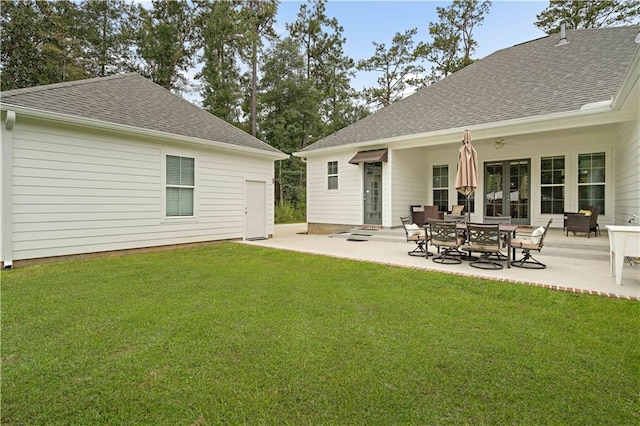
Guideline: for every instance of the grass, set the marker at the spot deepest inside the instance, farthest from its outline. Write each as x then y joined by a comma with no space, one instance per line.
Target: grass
234,334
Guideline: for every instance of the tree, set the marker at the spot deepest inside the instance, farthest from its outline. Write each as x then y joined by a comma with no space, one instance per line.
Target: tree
20,44
287,98
587,14
453,42
107,34
40,43
398,67
165,41
220,40
326,65
259,16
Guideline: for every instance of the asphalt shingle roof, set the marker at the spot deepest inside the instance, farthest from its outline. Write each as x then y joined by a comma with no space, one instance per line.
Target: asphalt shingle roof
132,100
535,78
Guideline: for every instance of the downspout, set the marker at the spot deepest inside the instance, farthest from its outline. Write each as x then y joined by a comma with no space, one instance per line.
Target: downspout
6,186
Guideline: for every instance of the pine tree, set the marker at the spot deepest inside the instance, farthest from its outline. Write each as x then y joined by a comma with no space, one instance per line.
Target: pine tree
165,42
398,67
587,14
220,30
453,42
107,33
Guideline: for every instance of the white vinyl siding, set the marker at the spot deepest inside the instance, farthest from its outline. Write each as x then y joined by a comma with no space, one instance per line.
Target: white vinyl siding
337,206
77,191
626,173
409,184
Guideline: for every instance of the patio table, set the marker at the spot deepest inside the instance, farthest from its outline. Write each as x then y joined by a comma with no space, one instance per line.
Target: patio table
508,231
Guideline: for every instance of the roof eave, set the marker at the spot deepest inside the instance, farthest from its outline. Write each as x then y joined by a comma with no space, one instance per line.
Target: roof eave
630,79
598,113
137,131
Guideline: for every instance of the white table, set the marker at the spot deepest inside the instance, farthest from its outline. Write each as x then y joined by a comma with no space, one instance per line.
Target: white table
623,241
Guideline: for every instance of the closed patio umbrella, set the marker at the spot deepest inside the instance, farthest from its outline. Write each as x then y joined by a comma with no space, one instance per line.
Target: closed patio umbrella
467,175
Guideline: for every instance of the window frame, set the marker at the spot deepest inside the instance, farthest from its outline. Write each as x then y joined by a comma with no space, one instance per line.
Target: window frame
592,184
333,177
553,185
166,185
445,188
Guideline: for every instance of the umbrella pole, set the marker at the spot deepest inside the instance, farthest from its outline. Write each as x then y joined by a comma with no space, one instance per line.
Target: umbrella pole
468,257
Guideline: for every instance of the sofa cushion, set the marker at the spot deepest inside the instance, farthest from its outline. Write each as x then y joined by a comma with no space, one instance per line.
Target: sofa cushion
585,212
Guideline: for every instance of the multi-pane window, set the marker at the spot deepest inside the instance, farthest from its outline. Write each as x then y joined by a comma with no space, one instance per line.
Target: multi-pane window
441,187
469,204
591,180
332,175
552,185
180,186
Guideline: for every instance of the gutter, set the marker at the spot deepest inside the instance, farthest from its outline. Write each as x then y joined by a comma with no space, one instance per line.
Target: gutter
6,190
131,130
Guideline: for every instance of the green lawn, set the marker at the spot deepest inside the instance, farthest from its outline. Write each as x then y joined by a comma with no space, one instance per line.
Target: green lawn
234,334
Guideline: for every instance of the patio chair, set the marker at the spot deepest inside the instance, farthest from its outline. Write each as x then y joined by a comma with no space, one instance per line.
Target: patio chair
417,215
499,220
417,235
422,214
485,239
457,210
586,220
431,212
445,236
535,243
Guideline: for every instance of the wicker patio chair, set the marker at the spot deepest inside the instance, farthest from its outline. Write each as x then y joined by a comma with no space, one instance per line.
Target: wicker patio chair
431,212
586,220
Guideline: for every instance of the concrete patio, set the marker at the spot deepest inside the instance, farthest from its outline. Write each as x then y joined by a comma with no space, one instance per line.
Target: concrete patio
574,263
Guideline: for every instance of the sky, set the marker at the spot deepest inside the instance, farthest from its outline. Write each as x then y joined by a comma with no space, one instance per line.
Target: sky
508,23
364,21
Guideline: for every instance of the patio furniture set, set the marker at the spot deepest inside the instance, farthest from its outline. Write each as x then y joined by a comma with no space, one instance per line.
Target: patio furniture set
456,238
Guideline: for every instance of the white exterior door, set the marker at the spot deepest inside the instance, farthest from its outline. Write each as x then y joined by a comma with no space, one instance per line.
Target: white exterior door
255,210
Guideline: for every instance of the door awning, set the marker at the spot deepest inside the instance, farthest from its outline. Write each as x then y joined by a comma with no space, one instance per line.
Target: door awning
369,156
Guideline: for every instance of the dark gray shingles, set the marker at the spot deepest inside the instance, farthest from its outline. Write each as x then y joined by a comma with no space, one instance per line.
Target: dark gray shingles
132,100
530,79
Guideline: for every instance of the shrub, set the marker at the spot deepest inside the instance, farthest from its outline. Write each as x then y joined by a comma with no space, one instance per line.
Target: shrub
290,213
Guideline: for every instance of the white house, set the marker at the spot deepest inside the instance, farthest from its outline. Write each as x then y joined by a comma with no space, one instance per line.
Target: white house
556,124
120,163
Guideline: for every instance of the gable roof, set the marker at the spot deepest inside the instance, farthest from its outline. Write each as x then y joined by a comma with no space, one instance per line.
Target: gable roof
535,78
132,100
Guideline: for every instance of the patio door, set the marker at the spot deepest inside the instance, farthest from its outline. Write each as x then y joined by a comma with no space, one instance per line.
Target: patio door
373,193
507,190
